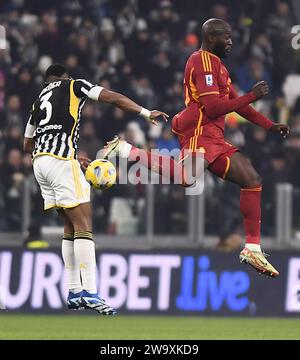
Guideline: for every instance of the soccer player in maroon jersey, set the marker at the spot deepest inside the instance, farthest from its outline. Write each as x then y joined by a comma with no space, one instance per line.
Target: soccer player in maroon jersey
209,96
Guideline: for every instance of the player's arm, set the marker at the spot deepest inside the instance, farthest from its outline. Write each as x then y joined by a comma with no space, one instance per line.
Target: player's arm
28,144
84,89
204,76
126,104
216,106
250,114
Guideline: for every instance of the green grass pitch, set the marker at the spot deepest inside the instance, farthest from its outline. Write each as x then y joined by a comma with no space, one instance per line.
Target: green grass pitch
68,327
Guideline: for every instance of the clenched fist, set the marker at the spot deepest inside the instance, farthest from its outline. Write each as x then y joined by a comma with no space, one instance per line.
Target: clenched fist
260,89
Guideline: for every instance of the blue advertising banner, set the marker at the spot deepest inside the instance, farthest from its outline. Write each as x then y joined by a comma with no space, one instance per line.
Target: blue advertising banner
179,283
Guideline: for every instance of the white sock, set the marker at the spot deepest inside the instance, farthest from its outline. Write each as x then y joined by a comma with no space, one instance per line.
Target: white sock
85,254
124,149
71,266
253,247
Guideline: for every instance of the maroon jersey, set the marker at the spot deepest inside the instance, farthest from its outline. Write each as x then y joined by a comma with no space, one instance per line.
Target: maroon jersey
209,96
205,74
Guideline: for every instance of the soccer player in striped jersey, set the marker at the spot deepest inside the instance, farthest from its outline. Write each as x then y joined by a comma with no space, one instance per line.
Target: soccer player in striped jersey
51,135
209,96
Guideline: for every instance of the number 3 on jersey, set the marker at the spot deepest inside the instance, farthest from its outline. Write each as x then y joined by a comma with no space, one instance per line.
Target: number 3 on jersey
46,104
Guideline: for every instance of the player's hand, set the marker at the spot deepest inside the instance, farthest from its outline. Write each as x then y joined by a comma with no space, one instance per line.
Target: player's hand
260,89
155,114
84,162
282,129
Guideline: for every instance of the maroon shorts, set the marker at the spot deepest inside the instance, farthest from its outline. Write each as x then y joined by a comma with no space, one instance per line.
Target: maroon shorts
207,140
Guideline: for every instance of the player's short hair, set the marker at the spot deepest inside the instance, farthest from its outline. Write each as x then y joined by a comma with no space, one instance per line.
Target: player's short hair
55,70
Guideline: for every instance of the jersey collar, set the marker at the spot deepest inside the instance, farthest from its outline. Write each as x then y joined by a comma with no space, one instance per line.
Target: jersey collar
210,53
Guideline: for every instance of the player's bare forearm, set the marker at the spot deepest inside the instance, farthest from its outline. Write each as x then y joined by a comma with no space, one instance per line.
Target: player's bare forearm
28,145
126,104
119,100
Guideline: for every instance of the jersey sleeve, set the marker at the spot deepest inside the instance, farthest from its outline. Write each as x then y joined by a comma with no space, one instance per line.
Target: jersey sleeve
204,74
249,113
84,89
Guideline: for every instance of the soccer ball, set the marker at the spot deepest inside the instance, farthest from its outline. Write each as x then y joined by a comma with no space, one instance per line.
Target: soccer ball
101,174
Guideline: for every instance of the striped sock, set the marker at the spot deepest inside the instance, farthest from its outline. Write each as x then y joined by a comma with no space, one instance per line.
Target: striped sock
84,248
71,264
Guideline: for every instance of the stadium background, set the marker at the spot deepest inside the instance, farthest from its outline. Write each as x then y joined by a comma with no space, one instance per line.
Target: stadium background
171,254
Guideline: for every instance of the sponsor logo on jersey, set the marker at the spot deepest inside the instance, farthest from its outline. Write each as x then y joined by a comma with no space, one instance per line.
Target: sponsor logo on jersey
40,130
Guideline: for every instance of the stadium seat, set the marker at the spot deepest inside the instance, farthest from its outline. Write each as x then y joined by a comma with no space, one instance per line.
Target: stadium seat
122,217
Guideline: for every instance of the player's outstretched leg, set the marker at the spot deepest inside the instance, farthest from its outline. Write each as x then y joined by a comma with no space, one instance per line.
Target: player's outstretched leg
116,147
242,172
160,164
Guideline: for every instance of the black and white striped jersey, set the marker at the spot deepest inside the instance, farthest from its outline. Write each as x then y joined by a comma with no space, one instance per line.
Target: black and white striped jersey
55,117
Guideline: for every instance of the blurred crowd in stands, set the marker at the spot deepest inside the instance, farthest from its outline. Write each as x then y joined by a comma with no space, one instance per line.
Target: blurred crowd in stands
139,48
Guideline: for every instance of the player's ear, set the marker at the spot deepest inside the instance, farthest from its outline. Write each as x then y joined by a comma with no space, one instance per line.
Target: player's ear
211,38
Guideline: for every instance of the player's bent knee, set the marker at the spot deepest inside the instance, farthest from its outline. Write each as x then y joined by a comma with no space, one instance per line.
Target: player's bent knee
253,180
83,224
259,179
256,179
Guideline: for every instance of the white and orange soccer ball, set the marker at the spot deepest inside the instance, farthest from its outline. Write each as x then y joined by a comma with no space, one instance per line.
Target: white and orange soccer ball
101,174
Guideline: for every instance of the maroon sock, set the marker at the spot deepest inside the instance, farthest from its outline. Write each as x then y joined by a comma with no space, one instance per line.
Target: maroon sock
250,198
161,164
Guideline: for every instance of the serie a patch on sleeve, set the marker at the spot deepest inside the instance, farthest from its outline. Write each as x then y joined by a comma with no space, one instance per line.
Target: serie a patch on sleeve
209,80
